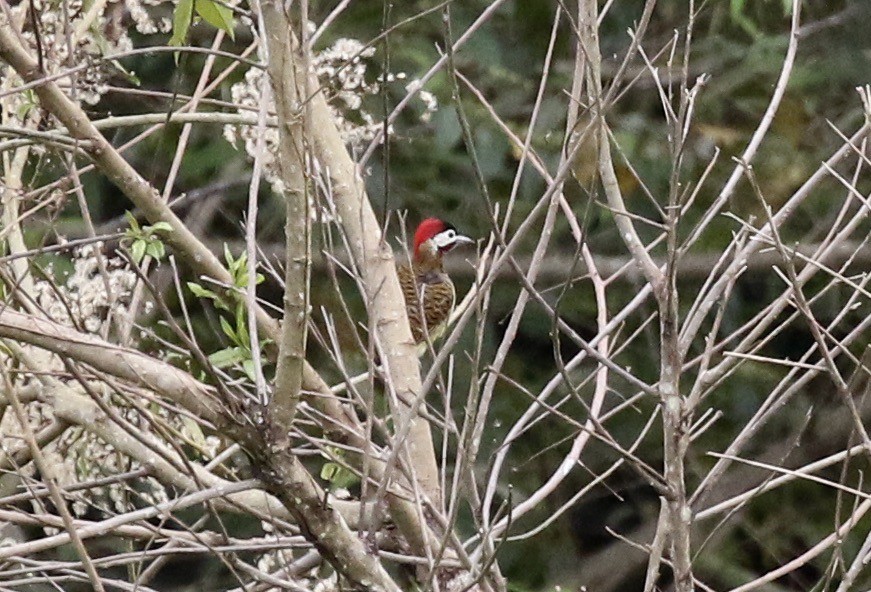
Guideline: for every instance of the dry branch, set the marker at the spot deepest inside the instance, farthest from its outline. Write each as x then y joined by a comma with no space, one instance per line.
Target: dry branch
290,91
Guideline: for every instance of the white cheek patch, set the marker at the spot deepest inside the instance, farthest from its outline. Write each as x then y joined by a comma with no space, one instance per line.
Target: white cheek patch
444,239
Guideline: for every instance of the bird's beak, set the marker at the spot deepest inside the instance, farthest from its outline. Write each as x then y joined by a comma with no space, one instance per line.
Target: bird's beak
463,240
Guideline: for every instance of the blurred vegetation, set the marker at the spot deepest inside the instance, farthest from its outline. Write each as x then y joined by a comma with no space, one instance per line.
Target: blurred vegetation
427,171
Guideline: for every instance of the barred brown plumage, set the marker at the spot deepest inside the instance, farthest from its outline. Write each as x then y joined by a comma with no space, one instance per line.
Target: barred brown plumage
431,297
429,292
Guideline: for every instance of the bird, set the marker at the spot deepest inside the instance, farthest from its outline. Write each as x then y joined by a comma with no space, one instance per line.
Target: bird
429,292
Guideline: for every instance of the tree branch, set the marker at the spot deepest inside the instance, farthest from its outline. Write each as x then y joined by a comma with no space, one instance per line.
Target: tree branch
289,90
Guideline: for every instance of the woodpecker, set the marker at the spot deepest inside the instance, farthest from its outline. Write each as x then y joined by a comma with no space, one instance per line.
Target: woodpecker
429,292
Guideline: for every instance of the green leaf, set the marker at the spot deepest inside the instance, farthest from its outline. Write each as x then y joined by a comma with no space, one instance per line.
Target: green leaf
240,272
137,250
30,101
228,357
160,227
242,332
242,324
200,292
131,220
181,22
155,250
23,110
344,479
338,476
329,470
248,367
193,431
238,268
217,15
228,330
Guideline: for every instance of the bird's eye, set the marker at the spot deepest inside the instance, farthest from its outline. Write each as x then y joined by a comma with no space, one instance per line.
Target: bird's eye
445,239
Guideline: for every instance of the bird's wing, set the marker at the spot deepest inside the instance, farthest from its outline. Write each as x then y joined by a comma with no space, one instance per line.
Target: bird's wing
412,301
438,302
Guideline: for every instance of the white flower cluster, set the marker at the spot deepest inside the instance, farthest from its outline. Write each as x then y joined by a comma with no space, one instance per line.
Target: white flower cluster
142,18
11,438
247,95
59,50
429,100
88,298
342,69
275,561
85,300
76,35
81,456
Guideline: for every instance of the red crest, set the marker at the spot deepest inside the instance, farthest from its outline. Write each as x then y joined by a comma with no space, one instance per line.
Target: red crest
426,230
